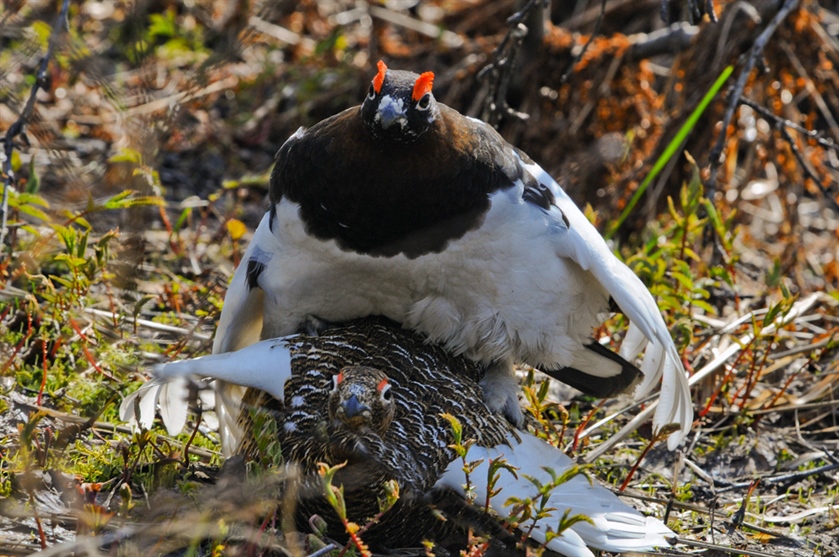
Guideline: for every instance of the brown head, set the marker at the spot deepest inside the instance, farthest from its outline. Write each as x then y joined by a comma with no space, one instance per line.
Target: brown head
362,399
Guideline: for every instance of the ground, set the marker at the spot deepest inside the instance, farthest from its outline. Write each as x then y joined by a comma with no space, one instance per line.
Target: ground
142,169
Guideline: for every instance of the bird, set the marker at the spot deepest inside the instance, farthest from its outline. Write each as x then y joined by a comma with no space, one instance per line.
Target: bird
377,396
405,208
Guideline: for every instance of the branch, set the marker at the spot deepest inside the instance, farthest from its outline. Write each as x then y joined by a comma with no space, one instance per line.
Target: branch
715,156
17,128
502,66
815,135
579,56
669,10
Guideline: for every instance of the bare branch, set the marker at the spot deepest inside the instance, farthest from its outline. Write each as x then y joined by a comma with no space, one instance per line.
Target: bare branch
17,128
715,156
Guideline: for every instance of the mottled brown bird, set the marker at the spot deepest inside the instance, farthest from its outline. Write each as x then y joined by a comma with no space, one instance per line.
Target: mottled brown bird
372,394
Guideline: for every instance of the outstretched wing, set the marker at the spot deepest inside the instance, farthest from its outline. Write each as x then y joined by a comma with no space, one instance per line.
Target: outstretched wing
614,526
240,323
265,365
579,241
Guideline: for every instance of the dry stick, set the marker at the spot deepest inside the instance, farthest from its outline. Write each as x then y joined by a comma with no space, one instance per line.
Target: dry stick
502,66
799,308
724,549
324,550
785,478
815,135
806,166
19,125
695,8
448,38
579,56
715,156
151,324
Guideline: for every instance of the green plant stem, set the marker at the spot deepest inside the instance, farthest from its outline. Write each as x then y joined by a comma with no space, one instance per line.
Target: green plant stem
672,148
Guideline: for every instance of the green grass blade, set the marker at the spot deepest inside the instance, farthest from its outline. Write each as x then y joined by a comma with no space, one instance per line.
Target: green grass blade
672,148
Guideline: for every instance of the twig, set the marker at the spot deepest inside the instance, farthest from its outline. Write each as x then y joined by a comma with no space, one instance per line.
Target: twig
669,40
785,478
829,197
695,8
579,56
281,33
502,67
815,135
715,155
17,128
151,324
724,549
324,550
449,39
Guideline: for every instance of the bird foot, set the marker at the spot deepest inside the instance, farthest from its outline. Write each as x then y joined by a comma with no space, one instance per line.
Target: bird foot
501,389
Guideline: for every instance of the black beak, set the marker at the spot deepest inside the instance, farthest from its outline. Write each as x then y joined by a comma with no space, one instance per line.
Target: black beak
390,115
353,407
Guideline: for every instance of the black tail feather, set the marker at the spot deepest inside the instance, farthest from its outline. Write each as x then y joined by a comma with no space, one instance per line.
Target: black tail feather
601,387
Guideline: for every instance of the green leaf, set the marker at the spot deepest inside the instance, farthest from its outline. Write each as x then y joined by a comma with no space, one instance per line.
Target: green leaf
456,427
33,184
42,31
162,25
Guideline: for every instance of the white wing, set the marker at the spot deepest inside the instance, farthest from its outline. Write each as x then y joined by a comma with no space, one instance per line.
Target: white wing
240,323
582,243
265,365
616,526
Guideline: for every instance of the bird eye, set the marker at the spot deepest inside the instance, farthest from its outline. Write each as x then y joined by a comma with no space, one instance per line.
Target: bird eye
371,93
424,102
386,394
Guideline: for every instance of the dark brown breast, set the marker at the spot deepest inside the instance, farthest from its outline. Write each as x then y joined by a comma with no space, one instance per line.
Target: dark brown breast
383,198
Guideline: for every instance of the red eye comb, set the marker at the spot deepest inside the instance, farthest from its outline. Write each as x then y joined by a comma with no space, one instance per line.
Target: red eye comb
423,85
382,384
380,77
340,377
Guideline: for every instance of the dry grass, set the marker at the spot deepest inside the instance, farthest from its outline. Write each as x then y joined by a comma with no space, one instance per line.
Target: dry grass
187,103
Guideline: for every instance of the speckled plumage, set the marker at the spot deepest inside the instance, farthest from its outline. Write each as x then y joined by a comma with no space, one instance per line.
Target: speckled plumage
425,381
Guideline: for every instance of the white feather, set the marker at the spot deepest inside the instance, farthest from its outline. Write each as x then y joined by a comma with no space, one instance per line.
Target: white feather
265,365
240,323
616,526
584,245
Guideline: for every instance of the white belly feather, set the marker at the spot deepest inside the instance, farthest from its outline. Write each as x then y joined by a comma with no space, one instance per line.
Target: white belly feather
484,295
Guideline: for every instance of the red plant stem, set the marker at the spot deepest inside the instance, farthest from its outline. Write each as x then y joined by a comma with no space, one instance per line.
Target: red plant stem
584,423
725,380
635,466
783,390
14,353
191,438
44,374
91,360
754,374
354,540
36,516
